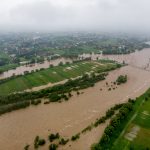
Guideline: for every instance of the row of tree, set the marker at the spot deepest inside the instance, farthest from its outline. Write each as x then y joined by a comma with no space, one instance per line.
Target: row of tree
112,131
55,93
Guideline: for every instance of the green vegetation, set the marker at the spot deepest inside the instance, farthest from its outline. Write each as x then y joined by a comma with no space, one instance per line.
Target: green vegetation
35,102
20,48
63,141
13,106
121,79
38,142
4,58
136,133
112,130
41,142
136,112
129,129
55,140
8,67
53,137
6,63
53,147
26,147
55,94
52,75
119,116
75,137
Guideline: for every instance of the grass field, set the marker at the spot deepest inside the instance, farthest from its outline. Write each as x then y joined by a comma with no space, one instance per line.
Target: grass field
51,75
136,135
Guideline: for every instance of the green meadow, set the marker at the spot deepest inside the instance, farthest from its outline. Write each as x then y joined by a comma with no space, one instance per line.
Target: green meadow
52,75
136,135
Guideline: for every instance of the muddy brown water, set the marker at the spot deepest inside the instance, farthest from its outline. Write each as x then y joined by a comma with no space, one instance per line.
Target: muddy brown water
68,118
21,69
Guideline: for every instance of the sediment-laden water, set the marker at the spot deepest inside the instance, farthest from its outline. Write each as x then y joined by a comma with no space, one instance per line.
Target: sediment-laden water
68,118
21,69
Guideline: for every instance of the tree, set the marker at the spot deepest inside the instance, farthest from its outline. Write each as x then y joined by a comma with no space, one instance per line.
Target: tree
105,139
109,130
53,147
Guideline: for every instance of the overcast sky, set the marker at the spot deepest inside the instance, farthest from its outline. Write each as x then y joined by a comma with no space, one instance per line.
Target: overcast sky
59,15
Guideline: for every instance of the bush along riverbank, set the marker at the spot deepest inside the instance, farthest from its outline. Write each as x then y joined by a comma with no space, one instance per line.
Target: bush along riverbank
56,140
119,122
54,94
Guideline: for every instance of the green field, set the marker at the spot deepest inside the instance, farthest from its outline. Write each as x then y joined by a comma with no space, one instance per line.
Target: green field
52,75
136,135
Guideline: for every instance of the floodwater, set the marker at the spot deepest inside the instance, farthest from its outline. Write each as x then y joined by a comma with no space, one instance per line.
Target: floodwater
139,59
21,69
68,118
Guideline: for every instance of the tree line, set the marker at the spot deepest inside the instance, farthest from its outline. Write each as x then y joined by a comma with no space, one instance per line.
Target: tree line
54,94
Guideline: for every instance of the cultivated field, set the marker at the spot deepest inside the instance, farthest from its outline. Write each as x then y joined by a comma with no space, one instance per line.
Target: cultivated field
52,75
136,134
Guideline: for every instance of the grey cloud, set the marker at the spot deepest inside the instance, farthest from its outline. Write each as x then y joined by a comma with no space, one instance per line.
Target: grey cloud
102,15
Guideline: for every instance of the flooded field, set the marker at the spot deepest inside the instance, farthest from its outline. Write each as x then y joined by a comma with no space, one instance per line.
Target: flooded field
132,59
139,59
68,118
20,70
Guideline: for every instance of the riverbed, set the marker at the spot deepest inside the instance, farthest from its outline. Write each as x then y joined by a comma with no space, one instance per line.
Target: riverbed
68,118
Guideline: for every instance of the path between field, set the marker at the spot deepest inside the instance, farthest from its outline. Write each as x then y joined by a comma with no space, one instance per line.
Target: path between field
38,88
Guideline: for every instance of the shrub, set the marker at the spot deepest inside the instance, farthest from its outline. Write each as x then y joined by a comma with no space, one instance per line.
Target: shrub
75,137
15,106
109,89
54,97
114,127
53,137
110,113
41,142
99,121
63,141
88,128
46,102
36,142
35,102
53,147
53,93
78,93
69,94
26,147
121,79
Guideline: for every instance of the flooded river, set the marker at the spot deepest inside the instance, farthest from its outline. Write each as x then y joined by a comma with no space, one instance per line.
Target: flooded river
132,59
68,118
37,66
